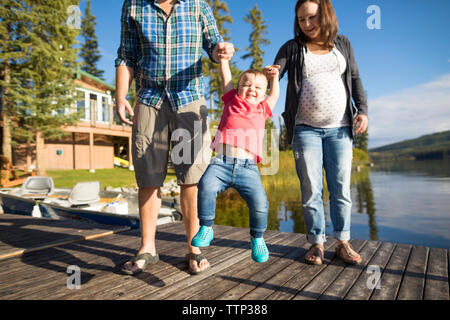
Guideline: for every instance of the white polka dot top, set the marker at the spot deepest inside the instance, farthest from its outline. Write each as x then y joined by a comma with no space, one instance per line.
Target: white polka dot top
323,100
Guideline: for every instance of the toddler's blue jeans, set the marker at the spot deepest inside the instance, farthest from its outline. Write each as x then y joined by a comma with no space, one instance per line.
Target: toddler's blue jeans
241,174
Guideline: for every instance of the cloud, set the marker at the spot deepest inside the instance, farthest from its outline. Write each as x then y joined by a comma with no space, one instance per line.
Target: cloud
410,113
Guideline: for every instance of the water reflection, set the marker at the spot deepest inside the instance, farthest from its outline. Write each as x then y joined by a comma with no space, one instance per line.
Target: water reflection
285,208
365,202
400,202
433,168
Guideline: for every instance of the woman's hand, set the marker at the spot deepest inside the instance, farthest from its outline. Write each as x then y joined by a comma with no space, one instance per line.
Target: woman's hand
361,123
272,72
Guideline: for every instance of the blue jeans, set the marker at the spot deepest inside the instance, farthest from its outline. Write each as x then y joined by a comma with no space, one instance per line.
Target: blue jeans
241,174
331,149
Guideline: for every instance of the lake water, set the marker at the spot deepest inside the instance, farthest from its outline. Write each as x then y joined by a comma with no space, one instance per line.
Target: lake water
402,202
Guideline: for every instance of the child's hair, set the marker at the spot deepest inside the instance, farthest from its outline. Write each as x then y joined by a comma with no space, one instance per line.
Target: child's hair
252,71
328,21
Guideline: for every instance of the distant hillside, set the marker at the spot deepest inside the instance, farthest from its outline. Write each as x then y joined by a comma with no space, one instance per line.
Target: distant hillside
432,146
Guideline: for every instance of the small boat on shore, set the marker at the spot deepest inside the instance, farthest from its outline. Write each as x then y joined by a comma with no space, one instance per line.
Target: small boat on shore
38,198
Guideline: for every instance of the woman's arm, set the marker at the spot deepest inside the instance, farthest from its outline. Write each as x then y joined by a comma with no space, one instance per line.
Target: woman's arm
282,59
361,122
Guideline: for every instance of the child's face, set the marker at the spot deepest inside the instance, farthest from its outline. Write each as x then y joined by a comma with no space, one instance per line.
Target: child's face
253,88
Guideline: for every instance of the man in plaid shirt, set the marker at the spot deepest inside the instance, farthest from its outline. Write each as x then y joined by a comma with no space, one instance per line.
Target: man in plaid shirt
161,49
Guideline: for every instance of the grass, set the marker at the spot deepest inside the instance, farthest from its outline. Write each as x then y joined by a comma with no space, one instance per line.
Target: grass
117,177
280,183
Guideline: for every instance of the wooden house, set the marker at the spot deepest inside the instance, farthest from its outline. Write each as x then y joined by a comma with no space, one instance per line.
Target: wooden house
97,138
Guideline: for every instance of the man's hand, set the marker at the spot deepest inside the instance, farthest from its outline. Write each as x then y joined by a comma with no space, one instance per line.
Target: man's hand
122,107
361,123
223,50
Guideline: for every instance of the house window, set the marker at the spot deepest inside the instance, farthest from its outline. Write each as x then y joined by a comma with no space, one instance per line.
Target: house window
93,104
81,105
105,109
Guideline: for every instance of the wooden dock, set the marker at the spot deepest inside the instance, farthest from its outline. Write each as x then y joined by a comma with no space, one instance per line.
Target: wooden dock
35,255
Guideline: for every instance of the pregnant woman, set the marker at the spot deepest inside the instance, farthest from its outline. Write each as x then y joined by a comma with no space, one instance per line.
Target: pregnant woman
323,79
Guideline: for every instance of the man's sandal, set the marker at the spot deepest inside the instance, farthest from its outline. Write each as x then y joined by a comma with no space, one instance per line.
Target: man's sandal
148,259
351,257
316,252
198,258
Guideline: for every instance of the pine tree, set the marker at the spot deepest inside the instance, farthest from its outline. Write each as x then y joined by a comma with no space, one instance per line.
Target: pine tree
283,143
41,63
361,142
89,49
210,69
256,38
11,49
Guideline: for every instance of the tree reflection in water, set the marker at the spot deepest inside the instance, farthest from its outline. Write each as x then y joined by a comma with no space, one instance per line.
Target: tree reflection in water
283,194
364,199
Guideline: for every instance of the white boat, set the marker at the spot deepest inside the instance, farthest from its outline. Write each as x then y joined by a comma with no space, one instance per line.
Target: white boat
86,201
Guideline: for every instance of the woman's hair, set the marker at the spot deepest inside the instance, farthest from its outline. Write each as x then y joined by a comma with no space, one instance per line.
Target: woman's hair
328,22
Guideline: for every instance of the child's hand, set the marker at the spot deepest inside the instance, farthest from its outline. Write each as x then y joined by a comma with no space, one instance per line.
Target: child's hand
272,72
223,51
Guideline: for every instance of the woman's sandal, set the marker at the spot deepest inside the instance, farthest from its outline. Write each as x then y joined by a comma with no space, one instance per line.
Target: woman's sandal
354,259
198,258
316,251
148,259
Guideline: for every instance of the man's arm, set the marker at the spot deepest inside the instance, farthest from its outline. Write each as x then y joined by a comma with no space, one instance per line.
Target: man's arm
210,33
124,77
225,74
272,73
125,63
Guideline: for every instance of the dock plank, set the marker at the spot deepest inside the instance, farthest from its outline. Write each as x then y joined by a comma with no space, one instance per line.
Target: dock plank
392,275
367,281
304,275
23,234
332,270
436,285
407,272
173,270
219,263
102,281
345,280
256,274
217,280
413,282
94,257
290,263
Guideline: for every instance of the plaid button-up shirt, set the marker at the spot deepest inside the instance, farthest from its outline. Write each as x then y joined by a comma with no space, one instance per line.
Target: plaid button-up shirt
165,51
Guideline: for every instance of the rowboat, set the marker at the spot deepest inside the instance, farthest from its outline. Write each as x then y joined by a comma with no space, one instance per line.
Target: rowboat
84,202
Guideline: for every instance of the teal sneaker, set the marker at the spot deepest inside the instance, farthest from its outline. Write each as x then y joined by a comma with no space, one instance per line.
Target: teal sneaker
203,237
260,253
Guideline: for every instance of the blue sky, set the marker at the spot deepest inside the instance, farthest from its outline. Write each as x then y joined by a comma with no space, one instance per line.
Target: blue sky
404,66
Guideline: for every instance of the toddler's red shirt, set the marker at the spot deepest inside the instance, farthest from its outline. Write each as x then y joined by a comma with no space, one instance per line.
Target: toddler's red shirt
242,124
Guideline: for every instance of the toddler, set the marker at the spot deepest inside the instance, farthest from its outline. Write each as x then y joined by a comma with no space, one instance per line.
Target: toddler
238,144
